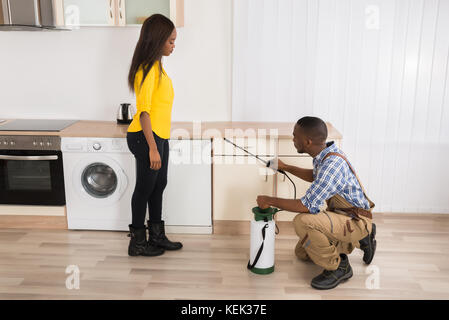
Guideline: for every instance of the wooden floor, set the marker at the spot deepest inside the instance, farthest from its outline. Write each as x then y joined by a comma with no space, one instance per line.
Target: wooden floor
412,262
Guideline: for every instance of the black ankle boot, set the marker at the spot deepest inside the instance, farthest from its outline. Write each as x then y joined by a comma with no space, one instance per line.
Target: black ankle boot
157,237
330,279
368,245
138,245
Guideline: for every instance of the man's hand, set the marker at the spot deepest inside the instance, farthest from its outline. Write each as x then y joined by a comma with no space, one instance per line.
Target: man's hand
262,202
304,174
292,205
281,166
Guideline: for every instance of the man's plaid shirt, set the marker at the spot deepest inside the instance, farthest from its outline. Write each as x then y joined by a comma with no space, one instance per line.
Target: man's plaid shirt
330,177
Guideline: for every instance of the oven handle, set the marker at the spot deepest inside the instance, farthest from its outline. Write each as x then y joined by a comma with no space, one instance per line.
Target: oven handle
32,158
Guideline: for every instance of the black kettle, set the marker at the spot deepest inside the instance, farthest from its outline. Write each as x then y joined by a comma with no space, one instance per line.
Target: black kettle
125,113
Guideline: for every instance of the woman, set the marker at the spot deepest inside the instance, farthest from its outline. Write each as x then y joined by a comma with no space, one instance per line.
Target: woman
148,135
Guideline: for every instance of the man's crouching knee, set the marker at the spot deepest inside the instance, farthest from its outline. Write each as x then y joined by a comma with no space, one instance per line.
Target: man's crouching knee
300,224
301,253
301,231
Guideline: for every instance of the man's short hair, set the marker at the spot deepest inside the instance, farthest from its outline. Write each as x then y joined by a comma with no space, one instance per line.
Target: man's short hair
314,128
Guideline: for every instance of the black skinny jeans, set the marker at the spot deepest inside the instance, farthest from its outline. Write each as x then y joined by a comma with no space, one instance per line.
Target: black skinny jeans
150,184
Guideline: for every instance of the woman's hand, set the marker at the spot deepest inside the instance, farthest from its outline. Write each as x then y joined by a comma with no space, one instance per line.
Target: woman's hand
155,159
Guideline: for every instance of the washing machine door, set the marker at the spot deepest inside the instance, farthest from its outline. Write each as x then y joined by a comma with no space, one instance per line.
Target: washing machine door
99,180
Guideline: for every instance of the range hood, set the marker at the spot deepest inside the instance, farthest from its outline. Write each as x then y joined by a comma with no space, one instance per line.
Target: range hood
32,15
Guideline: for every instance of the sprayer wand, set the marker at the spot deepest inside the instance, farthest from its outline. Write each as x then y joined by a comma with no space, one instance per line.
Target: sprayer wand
267,163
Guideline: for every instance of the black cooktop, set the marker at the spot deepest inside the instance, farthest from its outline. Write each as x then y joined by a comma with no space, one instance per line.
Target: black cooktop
35,125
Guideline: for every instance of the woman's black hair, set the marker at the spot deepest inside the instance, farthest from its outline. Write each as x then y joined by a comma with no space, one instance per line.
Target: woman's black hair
155,31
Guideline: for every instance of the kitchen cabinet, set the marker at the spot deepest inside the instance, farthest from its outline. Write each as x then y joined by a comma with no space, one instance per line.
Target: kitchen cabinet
120,12
237,181
238,178
89,13
258,146
138,10
229,186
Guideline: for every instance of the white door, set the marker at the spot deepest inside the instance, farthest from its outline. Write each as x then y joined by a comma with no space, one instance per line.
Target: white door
187,197
238,180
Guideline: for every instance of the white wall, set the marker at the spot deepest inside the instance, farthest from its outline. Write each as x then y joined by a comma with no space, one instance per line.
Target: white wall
376,69
82,74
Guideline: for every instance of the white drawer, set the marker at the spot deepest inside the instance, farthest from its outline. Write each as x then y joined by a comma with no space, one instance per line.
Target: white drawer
257,146
190,151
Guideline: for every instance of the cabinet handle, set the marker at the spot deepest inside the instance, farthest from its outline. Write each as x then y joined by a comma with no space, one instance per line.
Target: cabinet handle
121,13
111,12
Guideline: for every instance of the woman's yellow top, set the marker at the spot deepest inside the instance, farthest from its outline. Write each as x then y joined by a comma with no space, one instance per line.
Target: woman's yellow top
155,96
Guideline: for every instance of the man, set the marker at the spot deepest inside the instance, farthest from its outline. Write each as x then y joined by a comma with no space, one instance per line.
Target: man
326,236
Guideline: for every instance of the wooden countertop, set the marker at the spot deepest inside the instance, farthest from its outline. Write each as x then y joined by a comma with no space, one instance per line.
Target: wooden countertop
184,130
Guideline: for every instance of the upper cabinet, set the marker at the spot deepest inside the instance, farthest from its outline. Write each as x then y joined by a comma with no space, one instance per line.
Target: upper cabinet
138,10
89,13
120,12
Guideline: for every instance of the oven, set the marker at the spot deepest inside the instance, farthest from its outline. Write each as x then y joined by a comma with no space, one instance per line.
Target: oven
31,170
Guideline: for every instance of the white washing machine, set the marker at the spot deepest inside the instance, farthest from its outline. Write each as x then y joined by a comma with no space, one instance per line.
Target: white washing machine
99,177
